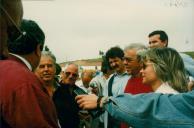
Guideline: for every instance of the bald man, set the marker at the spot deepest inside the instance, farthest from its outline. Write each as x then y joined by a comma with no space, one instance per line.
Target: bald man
11,14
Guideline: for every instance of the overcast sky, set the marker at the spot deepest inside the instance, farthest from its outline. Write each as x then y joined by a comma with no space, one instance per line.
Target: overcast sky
78,29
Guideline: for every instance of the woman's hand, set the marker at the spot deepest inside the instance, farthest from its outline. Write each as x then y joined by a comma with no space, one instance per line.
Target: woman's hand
87,101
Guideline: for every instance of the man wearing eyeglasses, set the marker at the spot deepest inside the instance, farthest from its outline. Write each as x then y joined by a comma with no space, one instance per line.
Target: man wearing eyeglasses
11,12
66,106
133,66
24,100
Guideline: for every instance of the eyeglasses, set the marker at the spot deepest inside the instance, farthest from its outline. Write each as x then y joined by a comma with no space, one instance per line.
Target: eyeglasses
14,33
73,74
128,59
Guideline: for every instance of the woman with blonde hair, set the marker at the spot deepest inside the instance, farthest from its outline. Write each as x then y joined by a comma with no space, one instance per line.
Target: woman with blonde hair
164,70
151,110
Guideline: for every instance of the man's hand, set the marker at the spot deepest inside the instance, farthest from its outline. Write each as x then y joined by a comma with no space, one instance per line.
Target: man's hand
87,101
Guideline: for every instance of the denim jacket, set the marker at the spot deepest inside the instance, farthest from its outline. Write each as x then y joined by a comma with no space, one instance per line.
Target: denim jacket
154,110
189,63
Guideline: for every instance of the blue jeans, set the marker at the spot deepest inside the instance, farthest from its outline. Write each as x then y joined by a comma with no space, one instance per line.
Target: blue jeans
154,110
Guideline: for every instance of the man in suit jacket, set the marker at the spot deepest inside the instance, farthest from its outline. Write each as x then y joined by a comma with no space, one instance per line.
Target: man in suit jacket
24,100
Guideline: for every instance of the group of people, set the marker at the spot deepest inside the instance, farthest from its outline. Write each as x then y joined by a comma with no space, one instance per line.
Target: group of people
153,109
139,87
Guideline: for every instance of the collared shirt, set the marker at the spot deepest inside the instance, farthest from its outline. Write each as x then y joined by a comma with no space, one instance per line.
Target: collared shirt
165,88
118,87
23,60
119,83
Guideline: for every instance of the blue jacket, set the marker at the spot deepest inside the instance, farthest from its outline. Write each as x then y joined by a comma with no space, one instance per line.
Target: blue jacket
154,110
189,63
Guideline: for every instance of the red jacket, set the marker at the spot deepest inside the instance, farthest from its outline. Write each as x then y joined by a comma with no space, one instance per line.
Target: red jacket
24,102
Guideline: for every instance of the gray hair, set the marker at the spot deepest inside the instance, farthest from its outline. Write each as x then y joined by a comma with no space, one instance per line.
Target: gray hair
136,46
139,47
49,54
169,67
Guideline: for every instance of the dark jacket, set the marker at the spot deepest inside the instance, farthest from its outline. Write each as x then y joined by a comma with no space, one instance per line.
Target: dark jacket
67,108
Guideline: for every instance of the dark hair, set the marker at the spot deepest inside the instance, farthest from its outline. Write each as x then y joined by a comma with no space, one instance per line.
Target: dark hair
114,52
33,35
58,69
163,35
105,65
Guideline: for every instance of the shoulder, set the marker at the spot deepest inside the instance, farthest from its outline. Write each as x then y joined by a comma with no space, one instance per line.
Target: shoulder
166,89
16,74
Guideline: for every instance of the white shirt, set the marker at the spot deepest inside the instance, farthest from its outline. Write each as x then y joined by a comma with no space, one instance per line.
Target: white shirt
165,88
23,60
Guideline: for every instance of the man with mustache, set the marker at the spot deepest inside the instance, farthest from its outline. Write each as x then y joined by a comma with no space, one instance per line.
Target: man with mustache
117,81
